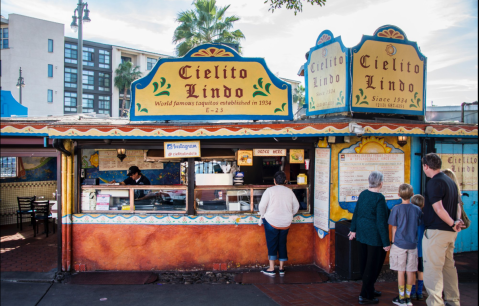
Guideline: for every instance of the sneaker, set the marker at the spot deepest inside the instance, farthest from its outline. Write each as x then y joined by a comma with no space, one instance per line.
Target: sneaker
414,296
420,297
399,301
269,273
408,302
281,272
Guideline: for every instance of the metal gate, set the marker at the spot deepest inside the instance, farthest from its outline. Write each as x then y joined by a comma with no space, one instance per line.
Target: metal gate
463,160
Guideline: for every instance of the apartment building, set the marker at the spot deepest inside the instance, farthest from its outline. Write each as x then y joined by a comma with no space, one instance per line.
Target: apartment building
96,79
35,46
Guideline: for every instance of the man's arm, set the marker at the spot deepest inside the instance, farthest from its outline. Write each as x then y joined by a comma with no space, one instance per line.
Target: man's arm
443,214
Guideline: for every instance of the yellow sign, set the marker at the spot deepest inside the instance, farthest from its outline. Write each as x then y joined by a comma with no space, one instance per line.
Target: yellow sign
200,87
245,157
465,168
296,156
387,75
326,78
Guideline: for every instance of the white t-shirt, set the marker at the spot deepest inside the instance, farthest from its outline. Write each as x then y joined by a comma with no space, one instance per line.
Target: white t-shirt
278,206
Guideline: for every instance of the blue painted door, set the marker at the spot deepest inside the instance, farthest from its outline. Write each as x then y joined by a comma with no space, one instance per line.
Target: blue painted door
467,240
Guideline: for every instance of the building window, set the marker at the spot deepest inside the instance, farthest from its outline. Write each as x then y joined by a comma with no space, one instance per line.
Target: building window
71,77
104,59
50,45
4,38
104,81
150,63
8,167
104,105
70,102
88,56
125,59
88,102
71,54
88,79
50,95
50,71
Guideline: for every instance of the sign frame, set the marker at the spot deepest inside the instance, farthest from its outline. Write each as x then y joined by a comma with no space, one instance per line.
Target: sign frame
241,163
192,56
325,39
378,36
300,161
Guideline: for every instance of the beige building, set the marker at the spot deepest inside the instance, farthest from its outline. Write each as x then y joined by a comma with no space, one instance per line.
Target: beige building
37,47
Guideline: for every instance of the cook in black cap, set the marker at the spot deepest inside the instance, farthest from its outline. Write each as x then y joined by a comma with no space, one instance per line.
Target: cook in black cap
134,177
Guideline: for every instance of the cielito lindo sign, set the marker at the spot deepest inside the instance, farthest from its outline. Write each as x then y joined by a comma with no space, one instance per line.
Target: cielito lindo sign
326,75
388,74
211,82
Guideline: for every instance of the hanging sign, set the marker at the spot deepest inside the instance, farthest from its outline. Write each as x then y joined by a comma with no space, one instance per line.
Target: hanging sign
296,156
388,74
211,82
245,157
269,152
326,75
322,180
180,149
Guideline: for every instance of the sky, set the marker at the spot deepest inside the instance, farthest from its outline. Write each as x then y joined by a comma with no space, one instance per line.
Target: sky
445,30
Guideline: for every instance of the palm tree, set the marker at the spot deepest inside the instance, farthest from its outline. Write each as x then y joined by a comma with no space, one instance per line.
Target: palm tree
125,75
206,23
298,95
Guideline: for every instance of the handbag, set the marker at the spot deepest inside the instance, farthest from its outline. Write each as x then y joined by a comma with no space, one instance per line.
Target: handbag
464,217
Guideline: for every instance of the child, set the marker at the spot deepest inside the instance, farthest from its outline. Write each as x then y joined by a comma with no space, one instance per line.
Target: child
405,219
418,200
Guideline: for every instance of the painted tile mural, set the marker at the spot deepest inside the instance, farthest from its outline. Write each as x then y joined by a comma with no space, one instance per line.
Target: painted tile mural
169,175
35,169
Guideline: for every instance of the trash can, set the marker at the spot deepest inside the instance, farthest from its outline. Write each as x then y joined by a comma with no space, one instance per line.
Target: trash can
347,252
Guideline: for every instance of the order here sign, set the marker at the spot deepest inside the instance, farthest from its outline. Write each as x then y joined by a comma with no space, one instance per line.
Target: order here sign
180,149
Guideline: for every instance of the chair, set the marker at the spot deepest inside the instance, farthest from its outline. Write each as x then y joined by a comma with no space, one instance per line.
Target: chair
24,208
41,211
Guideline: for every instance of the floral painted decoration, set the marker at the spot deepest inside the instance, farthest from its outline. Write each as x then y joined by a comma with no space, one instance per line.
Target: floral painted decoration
324,38
212,52
391,33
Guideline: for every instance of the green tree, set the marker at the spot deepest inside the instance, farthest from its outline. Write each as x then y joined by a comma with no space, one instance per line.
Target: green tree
125,75
294,5
298,96
206,23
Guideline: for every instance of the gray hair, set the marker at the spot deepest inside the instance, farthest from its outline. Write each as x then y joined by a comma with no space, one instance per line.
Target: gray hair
375,179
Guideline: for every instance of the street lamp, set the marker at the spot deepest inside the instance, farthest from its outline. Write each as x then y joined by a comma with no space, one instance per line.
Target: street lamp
20,84
81,7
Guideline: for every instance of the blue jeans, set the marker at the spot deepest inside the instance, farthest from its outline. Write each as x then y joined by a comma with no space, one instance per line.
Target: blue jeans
276,242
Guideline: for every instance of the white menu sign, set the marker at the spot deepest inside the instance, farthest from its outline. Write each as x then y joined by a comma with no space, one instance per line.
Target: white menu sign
108,161
322,177
354,170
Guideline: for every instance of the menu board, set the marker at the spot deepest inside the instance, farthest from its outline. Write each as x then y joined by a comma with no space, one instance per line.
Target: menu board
354,170
109,162
322,179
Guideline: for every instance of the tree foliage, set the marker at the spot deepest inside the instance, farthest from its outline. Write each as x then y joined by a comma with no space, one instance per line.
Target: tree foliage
298,95
125,75
206,23
295,5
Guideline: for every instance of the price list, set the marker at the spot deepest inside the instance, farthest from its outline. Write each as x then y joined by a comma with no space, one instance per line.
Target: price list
322,188
108,161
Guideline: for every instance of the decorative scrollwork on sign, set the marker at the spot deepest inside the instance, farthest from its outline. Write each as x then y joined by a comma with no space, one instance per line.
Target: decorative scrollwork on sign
212,52
391,33
324,38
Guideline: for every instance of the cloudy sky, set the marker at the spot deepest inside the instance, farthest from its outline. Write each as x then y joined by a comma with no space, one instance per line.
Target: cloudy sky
446,31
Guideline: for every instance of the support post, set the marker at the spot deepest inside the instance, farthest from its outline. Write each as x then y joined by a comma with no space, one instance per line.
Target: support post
190,205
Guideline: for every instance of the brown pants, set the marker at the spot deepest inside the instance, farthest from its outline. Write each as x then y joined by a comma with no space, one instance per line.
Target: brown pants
439,270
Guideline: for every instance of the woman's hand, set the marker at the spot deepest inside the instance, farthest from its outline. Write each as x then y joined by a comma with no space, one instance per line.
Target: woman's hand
113,182
387,248
352,235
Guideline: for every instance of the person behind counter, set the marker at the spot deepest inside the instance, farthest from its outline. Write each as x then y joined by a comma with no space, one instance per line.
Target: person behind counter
135,178
277,208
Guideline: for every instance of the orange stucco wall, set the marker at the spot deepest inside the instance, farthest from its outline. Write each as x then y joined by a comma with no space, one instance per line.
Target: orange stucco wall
189,247
324,251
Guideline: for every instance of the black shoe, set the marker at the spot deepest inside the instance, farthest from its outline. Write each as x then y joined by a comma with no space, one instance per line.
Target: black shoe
365,301
399,301
377,293
269,273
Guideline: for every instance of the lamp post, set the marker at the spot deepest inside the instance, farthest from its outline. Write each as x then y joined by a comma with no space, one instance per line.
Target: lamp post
81,7
20,84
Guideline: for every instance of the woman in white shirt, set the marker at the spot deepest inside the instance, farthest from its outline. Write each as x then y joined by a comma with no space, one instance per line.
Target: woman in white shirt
277,207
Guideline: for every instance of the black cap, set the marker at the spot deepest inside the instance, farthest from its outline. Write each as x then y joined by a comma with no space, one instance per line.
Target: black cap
133,169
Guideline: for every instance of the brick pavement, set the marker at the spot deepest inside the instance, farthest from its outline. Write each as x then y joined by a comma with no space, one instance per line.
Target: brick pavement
20,251
346,293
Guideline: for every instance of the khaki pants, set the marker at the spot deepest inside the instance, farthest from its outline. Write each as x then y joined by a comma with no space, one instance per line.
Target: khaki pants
439,270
